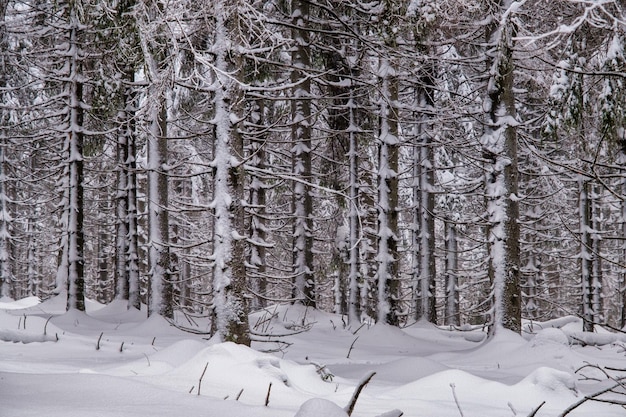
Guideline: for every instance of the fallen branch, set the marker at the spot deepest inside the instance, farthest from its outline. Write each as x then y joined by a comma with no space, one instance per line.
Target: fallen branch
99,339
352,346
355,396
456,400
202,376
534,412
45,326
267,397
239,395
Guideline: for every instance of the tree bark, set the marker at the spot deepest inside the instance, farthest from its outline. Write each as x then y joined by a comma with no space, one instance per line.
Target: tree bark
499,143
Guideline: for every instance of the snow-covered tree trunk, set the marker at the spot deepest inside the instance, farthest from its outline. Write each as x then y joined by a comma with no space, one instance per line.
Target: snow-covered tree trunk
32,228
121,244
622,276
229,258
304,278
586,255
452,312
132,256
597,305
5,217
126,256
158,216
423,193
499,145
257,206
156,50
71,266
354,221
388,143
6,277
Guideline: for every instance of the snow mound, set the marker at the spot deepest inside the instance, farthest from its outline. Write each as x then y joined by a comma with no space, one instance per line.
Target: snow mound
406,369
118,311
550,336
318,407
7,303
24,337
548,379
163,361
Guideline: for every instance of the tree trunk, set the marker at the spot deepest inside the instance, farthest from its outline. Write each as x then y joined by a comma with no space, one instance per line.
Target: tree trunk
229,286
354,275
121,231
597,305
499,143
258,233
160,300
425,199
132,257
304,278
586,255
74,161
6,277
453,315
387,257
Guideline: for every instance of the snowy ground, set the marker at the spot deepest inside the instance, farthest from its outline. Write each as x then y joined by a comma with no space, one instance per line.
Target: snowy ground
149,368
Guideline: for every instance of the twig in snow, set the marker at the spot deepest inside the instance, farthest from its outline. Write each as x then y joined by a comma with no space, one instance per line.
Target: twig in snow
534,412
122,347
99,338
148,359
45,326
359,328
456,400
512,408
239,395
267,397
355,396
202,376
351,346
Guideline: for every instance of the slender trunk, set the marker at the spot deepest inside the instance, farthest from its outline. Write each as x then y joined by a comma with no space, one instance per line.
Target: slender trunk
74,140
387,257
258,233
426,204
5,276
453,315
596,248
158,218
121,238
622,276
5,234
304,278
103,285
586,261
132,257
354,275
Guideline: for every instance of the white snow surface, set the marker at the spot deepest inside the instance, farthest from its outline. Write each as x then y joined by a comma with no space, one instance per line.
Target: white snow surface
147,367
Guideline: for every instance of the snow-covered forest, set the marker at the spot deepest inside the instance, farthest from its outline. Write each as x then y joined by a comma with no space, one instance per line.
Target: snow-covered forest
223,164
460,162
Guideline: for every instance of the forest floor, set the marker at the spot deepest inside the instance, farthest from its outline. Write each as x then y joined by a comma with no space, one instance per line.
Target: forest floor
115,362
